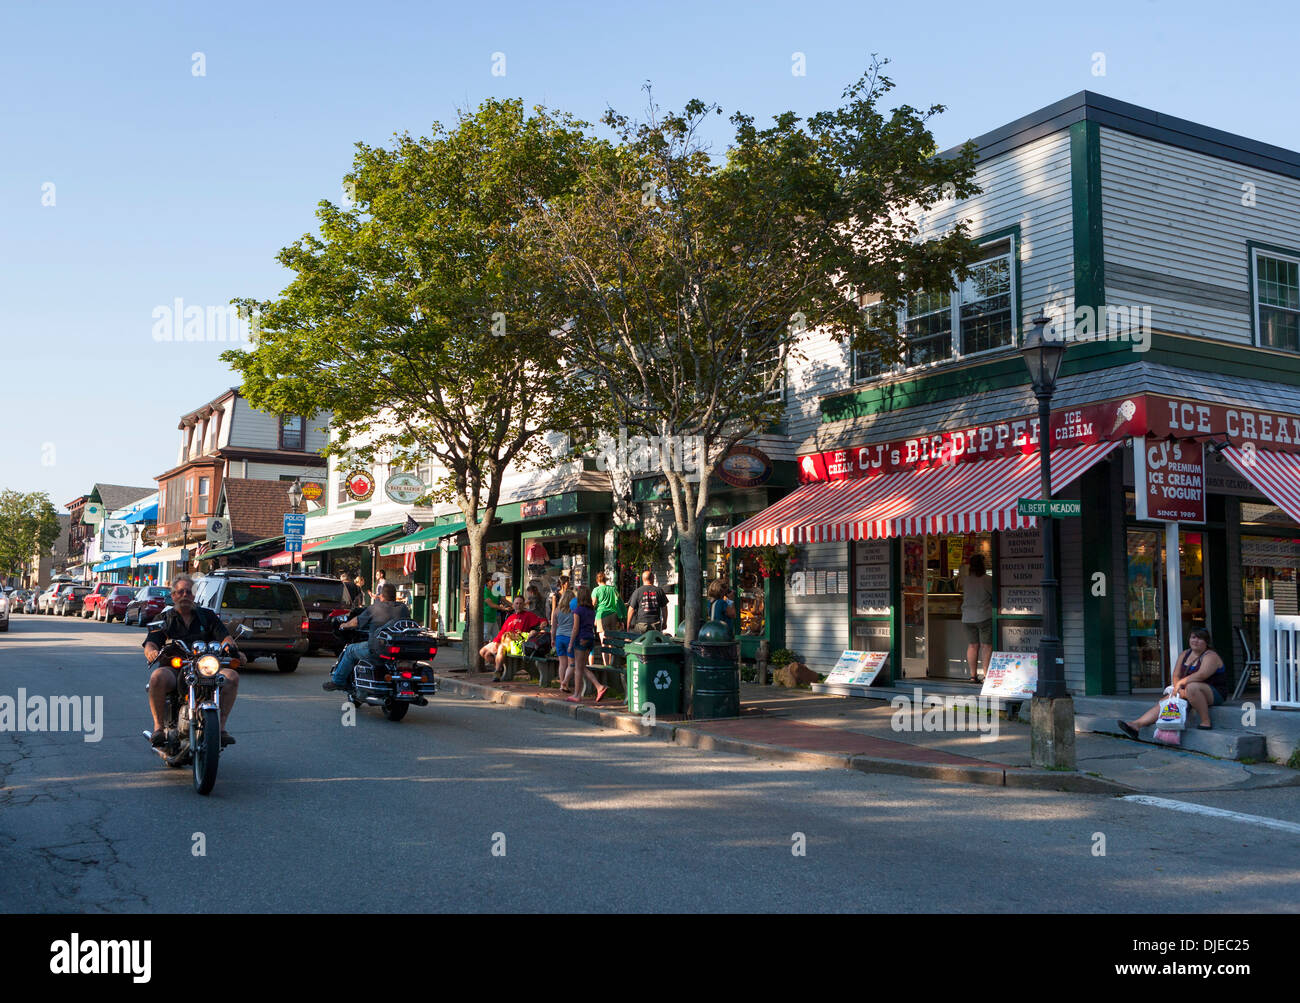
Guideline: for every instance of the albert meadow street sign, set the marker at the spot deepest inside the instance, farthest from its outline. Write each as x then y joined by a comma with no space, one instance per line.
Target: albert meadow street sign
1052,509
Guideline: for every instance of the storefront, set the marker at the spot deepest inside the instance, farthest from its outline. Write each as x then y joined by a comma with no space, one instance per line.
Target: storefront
885,527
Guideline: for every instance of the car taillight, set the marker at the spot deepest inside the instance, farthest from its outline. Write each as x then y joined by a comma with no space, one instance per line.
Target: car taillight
433,651
306,625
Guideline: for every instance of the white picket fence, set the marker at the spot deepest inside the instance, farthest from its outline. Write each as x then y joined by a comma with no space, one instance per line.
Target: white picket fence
1279,658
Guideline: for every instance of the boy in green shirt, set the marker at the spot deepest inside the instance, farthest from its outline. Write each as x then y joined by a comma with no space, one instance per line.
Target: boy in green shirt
608,604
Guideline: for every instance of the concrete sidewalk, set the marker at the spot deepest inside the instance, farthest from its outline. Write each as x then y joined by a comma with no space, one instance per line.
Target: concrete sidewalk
855,733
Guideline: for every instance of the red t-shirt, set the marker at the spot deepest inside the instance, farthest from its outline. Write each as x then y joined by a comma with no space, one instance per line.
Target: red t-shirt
521,622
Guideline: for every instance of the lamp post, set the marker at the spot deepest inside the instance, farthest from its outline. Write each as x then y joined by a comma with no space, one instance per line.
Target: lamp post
185,542
295,499
1052,719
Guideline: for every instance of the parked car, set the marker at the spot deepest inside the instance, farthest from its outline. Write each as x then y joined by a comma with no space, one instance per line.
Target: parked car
113,606
267,604
32,605
51,596
90,607
5,603
70,601
16,597
146,604
322,598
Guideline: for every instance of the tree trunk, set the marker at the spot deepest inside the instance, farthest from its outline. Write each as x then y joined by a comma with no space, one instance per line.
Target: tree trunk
473,635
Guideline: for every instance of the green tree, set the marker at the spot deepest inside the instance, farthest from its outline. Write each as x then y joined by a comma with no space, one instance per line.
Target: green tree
690,283
415,318
29,525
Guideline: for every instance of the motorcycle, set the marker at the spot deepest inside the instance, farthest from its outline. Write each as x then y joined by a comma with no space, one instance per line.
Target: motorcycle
398,670
193,718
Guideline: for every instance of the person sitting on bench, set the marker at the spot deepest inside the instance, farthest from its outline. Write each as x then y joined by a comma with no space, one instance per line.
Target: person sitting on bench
521,621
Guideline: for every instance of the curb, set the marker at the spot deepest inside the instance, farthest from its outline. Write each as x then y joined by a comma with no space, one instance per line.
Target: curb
692,738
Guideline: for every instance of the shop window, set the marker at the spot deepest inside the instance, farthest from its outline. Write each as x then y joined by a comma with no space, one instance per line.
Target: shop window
1277,300
1269,570
751,602
203,495
547,558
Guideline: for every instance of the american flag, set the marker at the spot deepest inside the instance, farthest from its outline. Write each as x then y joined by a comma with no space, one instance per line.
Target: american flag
408,564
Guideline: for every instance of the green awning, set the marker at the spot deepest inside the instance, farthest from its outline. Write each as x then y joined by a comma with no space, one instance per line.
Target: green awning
242,547
425,539
357,537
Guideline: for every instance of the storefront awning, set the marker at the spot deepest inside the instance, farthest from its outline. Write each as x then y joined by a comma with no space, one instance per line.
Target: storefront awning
123,561
147,514
356,538
167,555
956,498
285,557
1276,475
228,551
425,539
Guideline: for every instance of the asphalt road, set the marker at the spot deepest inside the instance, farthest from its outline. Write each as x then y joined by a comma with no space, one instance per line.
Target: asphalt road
310,814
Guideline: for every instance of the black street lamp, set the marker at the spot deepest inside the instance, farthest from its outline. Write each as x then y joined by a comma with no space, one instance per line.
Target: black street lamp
1053,711
185,542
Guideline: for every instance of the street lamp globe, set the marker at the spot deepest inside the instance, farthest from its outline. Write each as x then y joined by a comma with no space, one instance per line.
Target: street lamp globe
1043,356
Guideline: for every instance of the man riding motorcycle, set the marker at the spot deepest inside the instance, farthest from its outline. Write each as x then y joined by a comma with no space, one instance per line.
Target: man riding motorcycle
188,623
371,618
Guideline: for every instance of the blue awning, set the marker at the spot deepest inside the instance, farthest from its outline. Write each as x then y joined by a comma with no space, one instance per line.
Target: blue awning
122,561
147,514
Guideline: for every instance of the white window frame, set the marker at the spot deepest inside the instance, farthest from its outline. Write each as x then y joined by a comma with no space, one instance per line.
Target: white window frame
1012,254
1256,252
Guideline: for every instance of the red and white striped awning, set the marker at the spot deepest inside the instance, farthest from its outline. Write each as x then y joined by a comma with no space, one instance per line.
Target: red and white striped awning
1277,475
957,498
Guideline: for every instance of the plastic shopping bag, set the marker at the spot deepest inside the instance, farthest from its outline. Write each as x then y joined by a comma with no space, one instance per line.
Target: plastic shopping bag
1172,715
513,643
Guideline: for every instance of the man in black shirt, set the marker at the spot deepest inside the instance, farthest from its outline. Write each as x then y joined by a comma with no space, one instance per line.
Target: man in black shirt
371,618
648,607
187,623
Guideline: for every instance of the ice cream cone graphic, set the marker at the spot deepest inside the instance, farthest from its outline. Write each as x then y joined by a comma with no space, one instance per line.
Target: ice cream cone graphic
1125,411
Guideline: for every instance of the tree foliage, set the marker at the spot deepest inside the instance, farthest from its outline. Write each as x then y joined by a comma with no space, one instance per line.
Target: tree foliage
415,316
689,282
29,525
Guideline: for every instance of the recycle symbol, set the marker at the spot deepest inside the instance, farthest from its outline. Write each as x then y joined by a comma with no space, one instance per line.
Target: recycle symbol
662,680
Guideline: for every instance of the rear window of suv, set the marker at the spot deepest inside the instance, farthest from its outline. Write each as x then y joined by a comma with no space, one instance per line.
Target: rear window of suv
278,596
325,592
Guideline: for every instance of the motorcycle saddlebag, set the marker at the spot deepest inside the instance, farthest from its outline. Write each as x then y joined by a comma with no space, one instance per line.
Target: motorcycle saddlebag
412,642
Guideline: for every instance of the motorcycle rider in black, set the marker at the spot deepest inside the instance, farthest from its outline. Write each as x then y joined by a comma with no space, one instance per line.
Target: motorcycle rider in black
187,623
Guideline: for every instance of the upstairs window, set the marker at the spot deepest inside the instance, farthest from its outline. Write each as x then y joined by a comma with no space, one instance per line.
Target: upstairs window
203,495
975,316
1277,300
291,432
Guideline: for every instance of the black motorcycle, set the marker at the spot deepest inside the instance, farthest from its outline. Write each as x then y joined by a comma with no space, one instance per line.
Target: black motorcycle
193,719
398,670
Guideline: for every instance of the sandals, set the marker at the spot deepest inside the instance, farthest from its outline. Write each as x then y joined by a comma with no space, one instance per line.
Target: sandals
600,692
1128,730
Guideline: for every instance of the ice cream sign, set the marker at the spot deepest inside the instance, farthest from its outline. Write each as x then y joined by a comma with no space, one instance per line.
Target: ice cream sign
1170,479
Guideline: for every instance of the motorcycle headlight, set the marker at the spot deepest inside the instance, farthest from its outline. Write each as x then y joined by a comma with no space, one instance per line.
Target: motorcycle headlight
208,665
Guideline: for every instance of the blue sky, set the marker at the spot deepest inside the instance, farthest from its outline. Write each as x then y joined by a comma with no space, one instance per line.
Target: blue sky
168,184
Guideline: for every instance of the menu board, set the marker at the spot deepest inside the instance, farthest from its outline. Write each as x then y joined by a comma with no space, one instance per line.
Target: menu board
873,576
1020,573
871,602
871,579
873,552
1020,636
1011,675
857,668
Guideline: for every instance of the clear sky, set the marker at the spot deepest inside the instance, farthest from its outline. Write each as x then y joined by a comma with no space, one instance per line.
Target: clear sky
168,184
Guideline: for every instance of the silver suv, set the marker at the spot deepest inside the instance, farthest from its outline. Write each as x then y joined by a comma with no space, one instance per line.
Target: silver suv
268,605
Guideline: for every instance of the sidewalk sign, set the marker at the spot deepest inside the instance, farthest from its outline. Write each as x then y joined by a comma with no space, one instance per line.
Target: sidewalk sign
1012,675
857,668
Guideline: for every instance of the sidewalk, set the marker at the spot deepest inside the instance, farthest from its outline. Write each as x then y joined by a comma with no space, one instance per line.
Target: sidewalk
855,733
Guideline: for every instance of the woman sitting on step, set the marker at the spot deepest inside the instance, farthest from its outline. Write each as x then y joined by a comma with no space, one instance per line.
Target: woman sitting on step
1200,678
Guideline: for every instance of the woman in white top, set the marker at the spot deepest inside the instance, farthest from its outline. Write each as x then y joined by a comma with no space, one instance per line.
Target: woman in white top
977,616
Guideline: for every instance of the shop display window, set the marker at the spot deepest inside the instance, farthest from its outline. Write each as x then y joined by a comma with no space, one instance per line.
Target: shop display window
1270,567
546,559
751,605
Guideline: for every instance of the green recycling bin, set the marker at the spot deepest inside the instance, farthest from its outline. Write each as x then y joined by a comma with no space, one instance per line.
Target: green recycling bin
716,692
654,673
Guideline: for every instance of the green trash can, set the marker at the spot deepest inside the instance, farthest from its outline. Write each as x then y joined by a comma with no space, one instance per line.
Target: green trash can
716,692
654,673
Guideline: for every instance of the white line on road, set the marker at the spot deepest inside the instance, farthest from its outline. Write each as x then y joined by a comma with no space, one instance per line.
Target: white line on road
1200,809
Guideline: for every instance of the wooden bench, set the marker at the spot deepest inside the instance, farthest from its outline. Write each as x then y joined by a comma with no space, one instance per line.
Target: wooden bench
547,667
